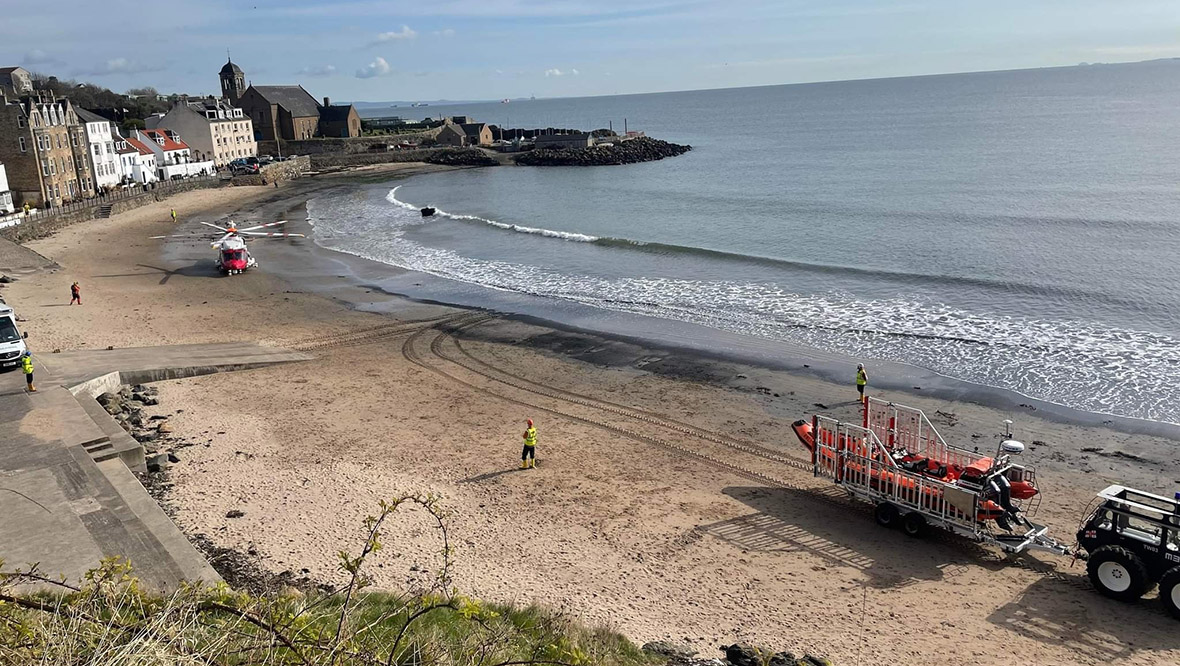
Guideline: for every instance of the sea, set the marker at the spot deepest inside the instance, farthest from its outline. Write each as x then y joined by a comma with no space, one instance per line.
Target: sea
1017,230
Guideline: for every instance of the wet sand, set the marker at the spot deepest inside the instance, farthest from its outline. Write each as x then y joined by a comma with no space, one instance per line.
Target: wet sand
640,515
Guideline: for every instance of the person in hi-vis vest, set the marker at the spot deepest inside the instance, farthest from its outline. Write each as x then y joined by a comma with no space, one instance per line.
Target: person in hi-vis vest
862,378
528,456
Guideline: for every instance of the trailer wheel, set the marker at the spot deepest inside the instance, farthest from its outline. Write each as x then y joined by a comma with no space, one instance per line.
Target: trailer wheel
913,524
1170,591
886,514
1118,573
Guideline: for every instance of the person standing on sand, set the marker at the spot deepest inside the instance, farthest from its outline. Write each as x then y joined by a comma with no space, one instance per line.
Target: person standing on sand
862,378
26,364
75,294
173,215
528,456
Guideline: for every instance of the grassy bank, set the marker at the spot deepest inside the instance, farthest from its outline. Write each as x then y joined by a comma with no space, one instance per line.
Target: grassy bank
111,620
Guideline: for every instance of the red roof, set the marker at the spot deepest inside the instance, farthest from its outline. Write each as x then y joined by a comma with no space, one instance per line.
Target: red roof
168,143
138,145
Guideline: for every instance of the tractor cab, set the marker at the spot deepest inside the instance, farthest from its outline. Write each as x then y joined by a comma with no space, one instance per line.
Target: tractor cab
1133,541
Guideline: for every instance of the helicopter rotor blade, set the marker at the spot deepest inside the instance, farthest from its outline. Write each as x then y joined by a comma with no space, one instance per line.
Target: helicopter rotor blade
273,234
214,226
263,226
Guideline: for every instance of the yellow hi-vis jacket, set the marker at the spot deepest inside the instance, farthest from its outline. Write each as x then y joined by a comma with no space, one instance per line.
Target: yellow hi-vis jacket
530,437
862,378
26,364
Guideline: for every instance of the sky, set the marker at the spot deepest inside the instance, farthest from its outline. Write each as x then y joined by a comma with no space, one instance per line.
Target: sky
392,50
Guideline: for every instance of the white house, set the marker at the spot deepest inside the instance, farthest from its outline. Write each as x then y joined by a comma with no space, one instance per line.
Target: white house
6,205
137,161
173,156
212,128
100,144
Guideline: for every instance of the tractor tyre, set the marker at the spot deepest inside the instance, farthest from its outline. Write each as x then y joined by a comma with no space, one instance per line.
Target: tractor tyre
1118,573
913,524
1170,591
886,514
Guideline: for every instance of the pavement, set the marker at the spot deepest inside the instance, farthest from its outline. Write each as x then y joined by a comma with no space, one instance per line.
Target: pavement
68,497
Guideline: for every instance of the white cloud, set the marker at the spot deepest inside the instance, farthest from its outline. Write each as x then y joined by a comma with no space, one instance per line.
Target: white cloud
396,35
444,33
574,72
121,66
321,70
376,68
557,72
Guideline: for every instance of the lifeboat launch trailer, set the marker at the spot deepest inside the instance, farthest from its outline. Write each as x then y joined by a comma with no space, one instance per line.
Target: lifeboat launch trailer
897,461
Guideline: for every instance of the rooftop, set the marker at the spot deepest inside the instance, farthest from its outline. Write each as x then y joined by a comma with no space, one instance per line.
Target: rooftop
335,112
164,139
297,101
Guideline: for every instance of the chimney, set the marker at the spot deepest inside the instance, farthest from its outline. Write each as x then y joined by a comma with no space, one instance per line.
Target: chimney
327,101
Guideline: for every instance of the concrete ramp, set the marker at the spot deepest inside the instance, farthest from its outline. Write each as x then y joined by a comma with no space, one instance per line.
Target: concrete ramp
67,495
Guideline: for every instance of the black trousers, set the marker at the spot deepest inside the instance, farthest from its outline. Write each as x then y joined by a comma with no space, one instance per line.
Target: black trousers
528,452
29,379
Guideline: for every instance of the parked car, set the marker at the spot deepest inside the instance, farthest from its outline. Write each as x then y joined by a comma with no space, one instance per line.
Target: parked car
265,159
244,168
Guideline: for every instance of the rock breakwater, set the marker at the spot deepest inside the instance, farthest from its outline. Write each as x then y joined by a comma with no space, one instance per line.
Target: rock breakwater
645,149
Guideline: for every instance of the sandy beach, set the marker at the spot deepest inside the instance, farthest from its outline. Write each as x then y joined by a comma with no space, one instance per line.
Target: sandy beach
641,515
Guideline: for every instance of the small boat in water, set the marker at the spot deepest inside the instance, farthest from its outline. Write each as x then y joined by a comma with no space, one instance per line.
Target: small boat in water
428,211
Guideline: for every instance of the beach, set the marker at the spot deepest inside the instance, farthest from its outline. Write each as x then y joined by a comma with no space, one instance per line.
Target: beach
642,514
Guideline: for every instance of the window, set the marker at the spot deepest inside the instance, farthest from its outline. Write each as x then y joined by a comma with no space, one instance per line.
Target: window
44,167
20,121
23,147
52,167
74,140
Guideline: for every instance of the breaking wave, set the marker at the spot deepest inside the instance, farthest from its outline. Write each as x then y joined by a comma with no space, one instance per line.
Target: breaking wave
1079,364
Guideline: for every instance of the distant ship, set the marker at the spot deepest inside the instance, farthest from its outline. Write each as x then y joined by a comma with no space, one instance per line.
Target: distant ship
505,101
419,104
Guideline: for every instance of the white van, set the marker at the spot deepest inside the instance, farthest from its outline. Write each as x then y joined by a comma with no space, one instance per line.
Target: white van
12,343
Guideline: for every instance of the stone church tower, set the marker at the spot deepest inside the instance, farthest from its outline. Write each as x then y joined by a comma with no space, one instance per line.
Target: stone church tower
233,82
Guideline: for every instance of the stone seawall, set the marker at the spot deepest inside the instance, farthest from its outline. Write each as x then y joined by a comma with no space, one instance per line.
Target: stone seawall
628,152
449,156
276,171
44,224
342,146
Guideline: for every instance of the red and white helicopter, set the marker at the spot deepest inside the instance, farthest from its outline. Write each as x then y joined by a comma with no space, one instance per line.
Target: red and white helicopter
232,255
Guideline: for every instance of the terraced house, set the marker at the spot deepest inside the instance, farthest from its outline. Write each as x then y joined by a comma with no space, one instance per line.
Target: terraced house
43,143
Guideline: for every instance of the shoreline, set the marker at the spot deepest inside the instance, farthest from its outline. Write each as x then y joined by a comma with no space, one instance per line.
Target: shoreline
686,337
661,544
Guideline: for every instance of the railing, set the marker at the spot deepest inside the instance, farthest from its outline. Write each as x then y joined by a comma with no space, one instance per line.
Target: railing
900,427
133,192
857,460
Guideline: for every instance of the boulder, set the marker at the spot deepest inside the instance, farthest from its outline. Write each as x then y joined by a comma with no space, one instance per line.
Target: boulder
113,408
812,660
173,458
670,650
158,463
741,654
235,513
163,427
783,659
142,436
